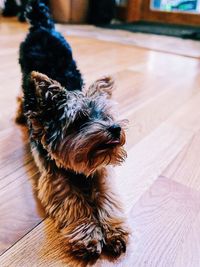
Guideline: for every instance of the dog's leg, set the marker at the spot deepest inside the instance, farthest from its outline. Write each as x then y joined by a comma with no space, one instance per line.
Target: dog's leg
80,231
114,227
20,118
112,222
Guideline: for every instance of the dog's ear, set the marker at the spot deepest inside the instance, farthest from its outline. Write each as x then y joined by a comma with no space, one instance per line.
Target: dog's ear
41,100
101,87
44,87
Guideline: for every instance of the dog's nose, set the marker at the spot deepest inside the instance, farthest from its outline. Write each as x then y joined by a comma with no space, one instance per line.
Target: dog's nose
115,130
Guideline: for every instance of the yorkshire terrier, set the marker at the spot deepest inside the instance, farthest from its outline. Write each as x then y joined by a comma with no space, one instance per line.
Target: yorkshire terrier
74,137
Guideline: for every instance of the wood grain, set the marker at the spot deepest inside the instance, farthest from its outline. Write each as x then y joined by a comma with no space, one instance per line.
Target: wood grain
186,168
188,254
163,218
45,250
19,212
147,160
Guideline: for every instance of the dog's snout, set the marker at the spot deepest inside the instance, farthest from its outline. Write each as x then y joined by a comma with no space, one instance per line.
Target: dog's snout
115,130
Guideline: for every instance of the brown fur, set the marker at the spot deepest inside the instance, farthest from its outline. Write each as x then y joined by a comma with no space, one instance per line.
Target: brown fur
20,118
89,220
74,186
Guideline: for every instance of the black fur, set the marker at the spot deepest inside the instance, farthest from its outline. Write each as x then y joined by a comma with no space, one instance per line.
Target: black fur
45,50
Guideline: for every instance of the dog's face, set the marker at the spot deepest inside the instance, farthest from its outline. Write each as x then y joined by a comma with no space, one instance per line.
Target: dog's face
76,128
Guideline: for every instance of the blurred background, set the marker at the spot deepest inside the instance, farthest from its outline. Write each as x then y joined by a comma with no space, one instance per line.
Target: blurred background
180,18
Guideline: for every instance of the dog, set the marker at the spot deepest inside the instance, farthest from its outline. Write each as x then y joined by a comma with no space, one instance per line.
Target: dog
74,139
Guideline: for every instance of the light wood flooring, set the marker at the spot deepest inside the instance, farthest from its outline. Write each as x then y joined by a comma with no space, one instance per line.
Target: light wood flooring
158,91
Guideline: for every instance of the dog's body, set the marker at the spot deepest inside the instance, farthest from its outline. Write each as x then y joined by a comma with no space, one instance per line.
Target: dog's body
73,137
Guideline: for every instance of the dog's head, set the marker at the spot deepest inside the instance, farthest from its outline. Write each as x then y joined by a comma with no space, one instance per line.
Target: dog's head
77,128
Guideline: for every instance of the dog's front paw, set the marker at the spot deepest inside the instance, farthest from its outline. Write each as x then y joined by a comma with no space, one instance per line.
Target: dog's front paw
116,241
87,249
85,242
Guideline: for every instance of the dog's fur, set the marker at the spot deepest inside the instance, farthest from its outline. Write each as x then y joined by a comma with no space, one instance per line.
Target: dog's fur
73,137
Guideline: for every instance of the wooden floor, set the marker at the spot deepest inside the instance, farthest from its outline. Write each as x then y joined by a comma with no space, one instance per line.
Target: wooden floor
159,93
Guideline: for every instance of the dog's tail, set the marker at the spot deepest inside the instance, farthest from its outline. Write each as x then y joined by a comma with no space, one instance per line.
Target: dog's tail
38,14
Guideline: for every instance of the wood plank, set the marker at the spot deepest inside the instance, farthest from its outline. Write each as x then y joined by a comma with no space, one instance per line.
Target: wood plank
188,255
148,107
14,153
150,157
188,116
161,221
19,210
185,168
45,250
147,160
